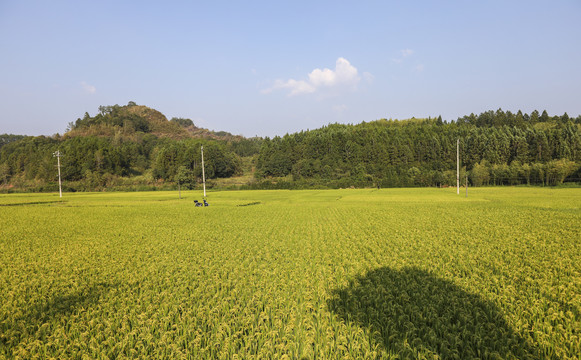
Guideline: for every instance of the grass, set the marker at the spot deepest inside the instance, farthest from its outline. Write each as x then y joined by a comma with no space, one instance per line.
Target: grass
391,273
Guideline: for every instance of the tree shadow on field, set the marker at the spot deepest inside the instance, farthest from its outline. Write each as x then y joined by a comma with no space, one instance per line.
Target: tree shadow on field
63,304
31,203
31,325
414,314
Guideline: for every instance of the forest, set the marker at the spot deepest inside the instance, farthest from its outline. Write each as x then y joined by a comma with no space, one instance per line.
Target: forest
134,147
122,147
496,148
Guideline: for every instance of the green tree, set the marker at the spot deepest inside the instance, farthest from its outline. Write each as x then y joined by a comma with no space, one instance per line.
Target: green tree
500,173
558,170
526,172
182,121
480,175
4,173
184,176
515,172
538,173
534,118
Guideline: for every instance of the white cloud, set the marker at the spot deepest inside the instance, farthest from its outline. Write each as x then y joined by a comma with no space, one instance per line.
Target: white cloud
403,54
90,89
296,87
419,68
344,74
406,52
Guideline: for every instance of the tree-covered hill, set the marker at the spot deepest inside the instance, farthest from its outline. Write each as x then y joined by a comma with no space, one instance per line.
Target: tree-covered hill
135,147
499,148
129,146
125,121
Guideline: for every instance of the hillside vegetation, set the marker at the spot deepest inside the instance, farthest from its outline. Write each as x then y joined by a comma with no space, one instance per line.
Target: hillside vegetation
125,121
122,147
496,148
136,147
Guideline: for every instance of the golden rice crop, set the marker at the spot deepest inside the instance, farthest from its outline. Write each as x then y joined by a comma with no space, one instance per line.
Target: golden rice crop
361,274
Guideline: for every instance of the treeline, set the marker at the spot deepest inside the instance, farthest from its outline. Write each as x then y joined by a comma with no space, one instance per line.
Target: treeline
496,148
8,138
94,163
135,147
124,147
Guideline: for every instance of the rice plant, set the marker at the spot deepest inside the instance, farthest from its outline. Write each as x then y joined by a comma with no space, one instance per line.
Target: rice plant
360,274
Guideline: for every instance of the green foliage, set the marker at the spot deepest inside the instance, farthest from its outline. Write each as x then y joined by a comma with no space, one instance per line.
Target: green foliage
119,142
4,173
185,177
8,138
336,274
115,116
217,161
246,146
422,152
182,121
133,141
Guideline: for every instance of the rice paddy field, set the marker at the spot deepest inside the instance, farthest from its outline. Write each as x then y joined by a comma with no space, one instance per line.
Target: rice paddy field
331,274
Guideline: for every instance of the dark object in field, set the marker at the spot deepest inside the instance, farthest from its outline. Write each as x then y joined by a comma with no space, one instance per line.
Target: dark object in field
206,203
249,204
198,203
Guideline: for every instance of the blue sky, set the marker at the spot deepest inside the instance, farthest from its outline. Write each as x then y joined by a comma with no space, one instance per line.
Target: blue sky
271,67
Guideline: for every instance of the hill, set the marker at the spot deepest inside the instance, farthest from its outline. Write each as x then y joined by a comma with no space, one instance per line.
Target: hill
126,121
123,147
136,147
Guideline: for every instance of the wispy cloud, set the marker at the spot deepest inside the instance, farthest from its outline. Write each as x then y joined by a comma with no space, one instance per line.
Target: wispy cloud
344,75
368,77
295,87
406,52
402,55
89,89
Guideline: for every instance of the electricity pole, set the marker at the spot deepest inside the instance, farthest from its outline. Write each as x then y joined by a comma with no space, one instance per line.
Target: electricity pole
58,155
458,166
203,173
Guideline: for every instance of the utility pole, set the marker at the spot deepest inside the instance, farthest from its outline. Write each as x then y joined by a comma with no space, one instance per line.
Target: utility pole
458,166
58,155
203,173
